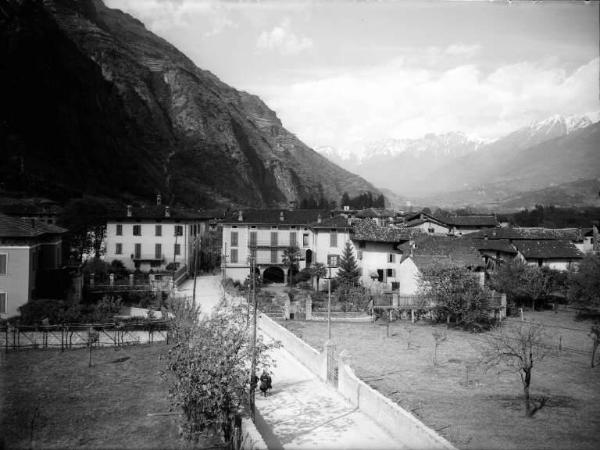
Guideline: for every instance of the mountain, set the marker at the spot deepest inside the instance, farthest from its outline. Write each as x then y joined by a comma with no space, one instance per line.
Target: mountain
93,102
402,164
453,170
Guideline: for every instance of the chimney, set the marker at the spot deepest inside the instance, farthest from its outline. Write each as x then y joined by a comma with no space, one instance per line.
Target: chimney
240,216
158,199
167,211
129,213
319,218
281,216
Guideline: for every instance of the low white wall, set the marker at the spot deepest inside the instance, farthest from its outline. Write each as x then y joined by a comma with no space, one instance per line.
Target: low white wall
398,422
251,437
311,358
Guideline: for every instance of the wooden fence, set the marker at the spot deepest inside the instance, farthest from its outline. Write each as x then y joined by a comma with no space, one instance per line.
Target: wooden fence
71,336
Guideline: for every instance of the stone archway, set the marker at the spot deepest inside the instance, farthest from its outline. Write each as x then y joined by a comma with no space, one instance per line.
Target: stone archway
273,274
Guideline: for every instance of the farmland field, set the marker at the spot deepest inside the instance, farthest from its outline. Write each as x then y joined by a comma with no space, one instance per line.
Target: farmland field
471,407
52,399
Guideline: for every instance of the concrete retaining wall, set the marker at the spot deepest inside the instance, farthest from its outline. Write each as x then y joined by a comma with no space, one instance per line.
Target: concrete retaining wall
251,438
397,421
311,358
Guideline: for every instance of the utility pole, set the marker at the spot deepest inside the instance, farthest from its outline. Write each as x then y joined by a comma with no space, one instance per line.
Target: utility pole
253,364
329,305
197,242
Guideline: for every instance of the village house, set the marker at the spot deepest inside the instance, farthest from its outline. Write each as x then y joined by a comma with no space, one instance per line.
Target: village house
266,233
455,225
554,248
376,252
152,237
426,251
39,209
557,254
30,252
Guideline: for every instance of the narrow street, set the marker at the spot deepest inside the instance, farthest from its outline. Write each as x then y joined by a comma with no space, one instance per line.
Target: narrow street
208,291
301,411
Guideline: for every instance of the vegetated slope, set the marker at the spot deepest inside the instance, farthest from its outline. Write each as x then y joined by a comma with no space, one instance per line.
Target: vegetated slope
580,193
92,102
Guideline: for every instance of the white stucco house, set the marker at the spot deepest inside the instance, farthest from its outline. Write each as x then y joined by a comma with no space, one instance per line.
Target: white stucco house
152,237
266,233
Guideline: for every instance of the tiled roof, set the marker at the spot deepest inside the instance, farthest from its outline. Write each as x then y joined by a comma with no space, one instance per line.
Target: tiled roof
368,230
457,251
474,221
155,212
516,233
332,222
496,245
16,228
548,249
275,216
417,222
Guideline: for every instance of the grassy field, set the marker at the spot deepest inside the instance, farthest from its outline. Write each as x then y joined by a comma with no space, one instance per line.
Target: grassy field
471,407
53,400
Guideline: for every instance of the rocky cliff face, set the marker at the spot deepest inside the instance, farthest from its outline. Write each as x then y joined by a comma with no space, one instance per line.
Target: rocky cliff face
93,102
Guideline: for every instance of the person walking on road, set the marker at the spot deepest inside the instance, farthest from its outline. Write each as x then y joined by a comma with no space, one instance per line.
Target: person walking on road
265,382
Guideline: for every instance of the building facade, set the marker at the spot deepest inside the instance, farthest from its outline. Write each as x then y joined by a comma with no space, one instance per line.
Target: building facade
151,238
28,251
260,237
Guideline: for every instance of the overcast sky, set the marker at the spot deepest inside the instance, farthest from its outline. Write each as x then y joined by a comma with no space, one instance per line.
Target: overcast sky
338,73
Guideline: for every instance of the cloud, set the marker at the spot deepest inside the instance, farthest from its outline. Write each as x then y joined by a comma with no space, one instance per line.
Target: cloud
396,100
283,40
463,50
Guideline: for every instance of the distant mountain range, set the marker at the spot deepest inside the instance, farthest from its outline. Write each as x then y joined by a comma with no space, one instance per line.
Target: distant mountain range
91,102
454,170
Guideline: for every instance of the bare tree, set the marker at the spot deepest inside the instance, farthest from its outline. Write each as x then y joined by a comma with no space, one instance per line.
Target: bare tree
518,348
440,337
595,335
535,283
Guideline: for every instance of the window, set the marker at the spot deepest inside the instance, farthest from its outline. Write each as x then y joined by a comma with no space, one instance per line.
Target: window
177,249
391,273
274,239
234,255
380,275
158,230
157,251
137,251
178,230
119,229
391,258
361,244
234,238
293,240
118,248
274,255
253,239
3,264
431,230
333,238
333,260
3,303
137,230
305,240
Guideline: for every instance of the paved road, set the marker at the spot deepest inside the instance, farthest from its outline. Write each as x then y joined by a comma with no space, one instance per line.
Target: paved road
208,291
301,412
304,413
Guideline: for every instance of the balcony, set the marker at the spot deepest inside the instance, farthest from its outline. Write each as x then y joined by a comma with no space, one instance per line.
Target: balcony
270,244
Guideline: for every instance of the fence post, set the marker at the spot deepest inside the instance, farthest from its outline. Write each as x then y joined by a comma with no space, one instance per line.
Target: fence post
91,280
130,279
111,279
308,307
522,317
